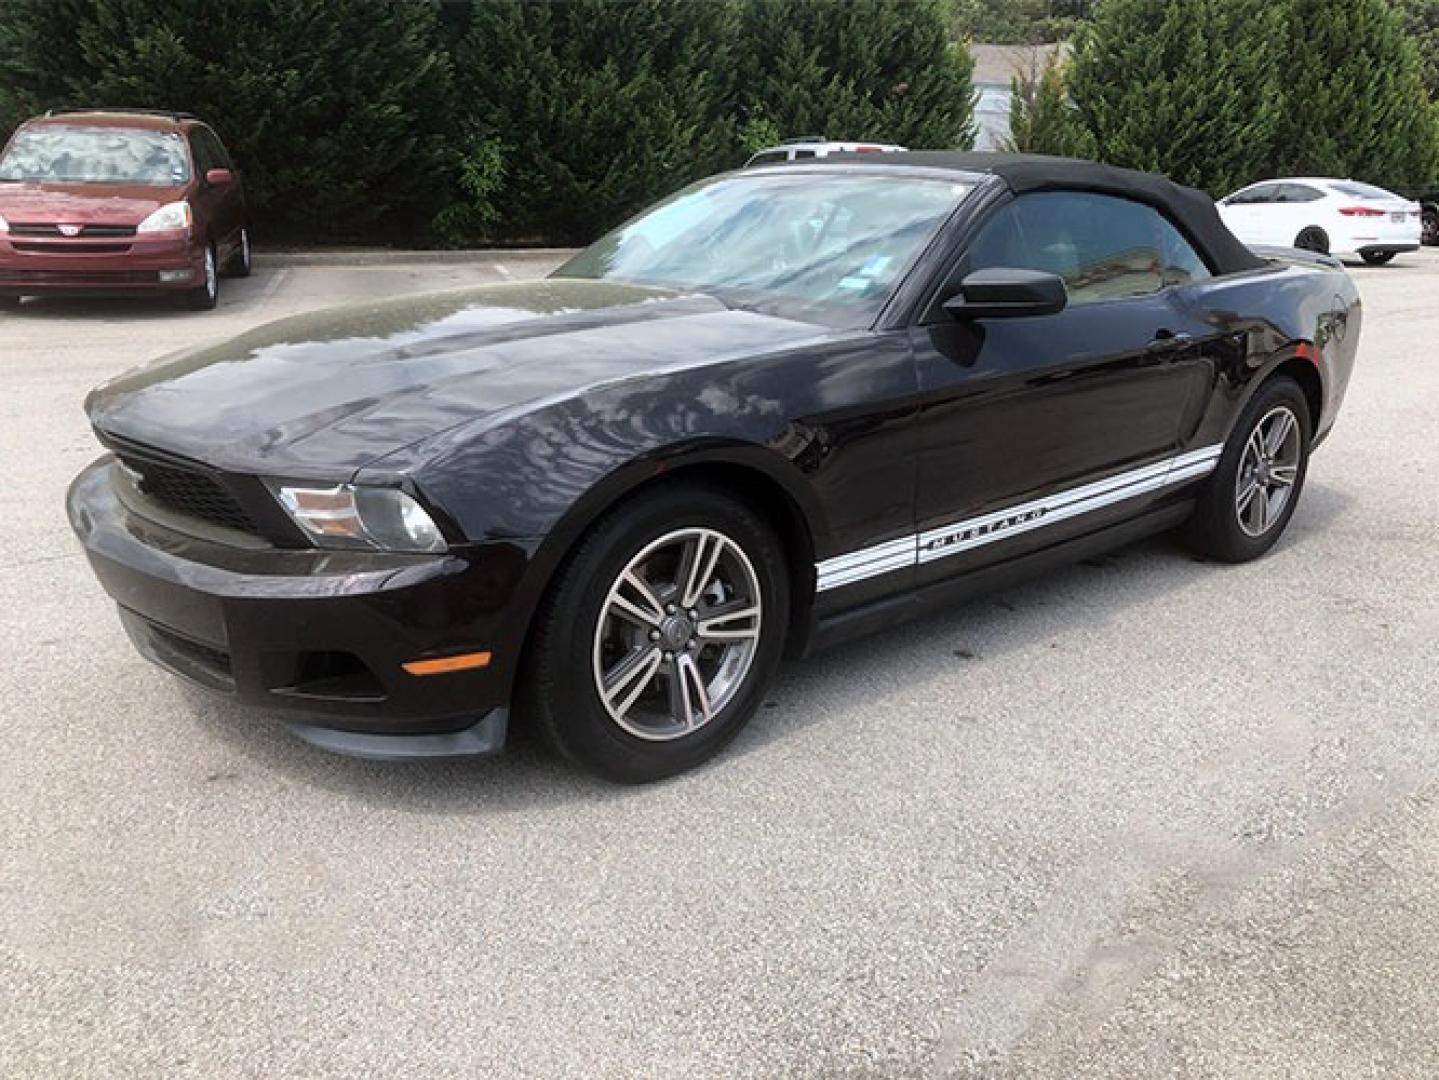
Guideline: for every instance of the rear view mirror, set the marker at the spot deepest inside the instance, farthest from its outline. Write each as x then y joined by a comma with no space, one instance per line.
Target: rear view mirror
1005,292
219,177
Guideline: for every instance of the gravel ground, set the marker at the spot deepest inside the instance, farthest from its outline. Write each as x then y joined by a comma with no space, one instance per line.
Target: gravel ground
1142,817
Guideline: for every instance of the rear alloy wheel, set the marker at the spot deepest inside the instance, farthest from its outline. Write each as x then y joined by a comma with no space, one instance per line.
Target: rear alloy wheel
1247,503
208,294
656,645
1431,227
242,261
1376,258
1313,239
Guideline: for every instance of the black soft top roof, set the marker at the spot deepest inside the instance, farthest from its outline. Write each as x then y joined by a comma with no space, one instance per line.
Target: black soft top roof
1190,209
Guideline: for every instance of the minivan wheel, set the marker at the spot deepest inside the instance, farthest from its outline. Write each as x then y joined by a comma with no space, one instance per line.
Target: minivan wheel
1246,504
242,261
1430,221
655,646
208,294
1376,258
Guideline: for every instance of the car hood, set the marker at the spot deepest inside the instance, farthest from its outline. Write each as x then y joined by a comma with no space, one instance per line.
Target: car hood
321,395
83,204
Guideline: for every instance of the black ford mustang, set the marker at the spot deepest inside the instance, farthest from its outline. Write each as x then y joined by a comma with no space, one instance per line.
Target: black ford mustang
785,406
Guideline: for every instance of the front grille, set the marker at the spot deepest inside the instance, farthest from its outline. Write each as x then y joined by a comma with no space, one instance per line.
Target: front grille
70,249
189,492
21,229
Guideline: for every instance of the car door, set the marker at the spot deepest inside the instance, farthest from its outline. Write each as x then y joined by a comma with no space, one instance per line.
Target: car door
1037,428
218,203
232,196
1250,214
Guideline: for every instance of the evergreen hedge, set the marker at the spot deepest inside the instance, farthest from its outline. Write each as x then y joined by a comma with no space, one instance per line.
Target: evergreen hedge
547,121
531,121
1220,93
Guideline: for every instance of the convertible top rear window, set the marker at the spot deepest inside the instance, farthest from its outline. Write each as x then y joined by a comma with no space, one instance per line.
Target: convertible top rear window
830,248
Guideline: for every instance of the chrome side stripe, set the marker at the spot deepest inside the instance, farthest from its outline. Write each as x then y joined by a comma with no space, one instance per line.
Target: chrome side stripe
1001,524
879,559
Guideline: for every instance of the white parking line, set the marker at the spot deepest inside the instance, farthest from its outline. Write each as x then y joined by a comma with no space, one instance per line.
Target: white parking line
279,279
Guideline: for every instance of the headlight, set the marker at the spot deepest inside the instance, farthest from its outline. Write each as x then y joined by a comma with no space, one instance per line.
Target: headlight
168,218
4,225
349,516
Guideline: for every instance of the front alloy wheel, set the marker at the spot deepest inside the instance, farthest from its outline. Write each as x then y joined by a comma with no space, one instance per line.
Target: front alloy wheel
208,294
677,634
655,644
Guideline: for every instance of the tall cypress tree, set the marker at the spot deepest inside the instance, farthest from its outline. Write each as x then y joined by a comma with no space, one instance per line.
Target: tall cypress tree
580,112
1189,90
1040,113
881,70
338,113
1356,100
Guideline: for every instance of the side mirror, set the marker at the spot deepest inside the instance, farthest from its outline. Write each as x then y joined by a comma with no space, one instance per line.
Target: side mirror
1002,292
219,177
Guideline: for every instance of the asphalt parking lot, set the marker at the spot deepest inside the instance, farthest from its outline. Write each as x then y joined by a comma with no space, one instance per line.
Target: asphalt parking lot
1142,817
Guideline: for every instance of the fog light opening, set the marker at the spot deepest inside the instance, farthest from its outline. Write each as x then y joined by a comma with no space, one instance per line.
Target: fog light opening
170,276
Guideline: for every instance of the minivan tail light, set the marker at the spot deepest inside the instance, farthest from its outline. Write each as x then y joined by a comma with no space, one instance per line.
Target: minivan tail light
1360,211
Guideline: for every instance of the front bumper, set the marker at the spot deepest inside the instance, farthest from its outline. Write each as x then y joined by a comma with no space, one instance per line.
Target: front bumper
85,266
320,635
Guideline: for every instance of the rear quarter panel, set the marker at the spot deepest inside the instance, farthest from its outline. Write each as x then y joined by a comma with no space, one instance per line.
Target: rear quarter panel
1312,312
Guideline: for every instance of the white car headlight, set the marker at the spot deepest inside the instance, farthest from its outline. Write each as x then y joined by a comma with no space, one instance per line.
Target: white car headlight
4,225
351,516
168,218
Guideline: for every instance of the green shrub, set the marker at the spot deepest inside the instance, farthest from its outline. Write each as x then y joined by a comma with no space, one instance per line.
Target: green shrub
1355,99
880,70
597,107
1191,90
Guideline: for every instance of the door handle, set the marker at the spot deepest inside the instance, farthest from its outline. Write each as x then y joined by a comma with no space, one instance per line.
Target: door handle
1168,341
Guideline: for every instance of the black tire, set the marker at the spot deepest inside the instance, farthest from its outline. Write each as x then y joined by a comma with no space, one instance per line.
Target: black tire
208,294
242,262
1220,529
1430,219
560,693
1313,239
1376,258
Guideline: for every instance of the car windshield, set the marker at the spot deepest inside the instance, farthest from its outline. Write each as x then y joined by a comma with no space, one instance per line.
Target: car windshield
60,153
825,247
1356,190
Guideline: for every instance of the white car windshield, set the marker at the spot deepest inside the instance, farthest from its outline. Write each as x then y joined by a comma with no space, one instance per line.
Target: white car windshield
65,154
829,247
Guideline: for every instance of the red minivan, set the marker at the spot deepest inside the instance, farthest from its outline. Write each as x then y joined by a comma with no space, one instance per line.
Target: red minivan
119,201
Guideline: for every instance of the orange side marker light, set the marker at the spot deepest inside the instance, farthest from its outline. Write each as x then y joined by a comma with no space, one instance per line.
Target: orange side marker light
443,665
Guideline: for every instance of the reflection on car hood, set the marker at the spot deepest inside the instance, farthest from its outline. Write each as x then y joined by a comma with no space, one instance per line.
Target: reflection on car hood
323,394
83,204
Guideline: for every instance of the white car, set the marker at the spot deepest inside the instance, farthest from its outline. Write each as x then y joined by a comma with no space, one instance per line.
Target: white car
1335,217
816,146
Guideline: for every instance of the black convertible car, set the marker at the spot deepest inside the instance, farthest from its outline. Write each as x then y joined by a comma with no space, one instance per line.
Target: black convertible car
783,407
